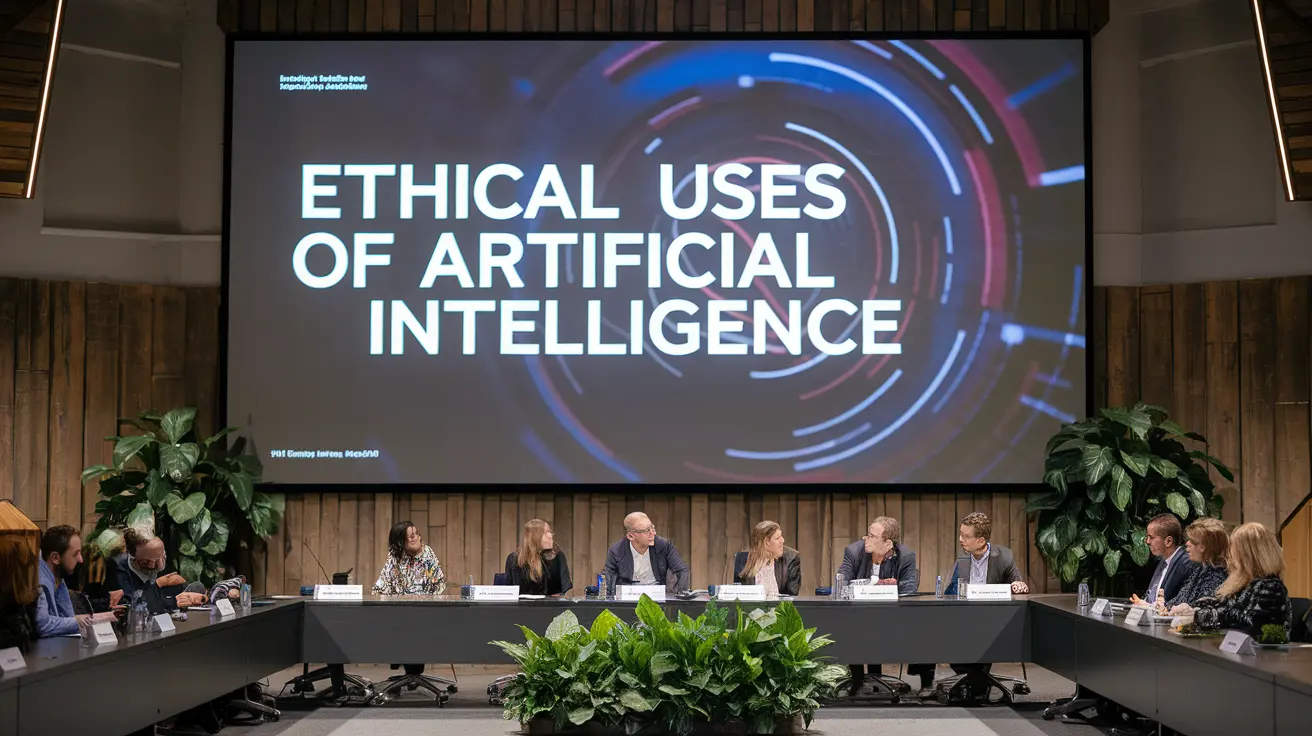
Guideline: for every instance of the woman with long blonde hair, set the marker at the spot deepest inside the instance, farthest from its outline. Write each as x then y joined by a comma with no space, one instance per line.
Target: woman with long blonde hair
769,563
538,567
1253,595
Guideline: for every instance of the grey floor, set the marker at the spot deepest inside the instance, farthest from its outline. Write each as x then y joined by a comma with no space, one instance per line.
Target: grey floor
469,714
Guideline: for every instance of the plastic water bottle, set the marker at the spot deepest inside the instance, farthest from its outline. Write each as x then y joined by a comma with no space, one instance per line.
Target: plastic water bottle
938,587
138,615
246,598
840,586
1082,599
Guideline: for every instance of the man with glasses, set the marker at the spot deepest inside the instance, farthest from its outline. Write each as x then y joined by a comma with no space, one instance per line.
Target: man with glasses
142,569
643,558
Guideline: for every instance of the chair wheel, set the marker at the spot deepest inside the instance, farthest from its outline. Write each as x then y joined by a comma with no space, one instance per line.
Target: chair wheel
273,718
1048,715
452,689
1020,688
378,700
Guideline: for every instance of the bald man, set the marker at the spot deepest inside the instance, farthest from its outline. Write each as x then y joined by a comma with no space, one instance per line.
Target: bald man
642,558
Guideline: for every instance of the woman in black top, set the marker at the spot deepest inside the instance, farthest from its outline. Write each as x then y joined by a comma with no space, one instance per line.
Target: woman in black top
538,567
1254,595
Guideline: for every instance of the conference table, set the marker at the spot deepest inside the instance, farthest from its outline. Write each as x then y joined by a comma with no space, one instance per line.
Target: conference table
1186,684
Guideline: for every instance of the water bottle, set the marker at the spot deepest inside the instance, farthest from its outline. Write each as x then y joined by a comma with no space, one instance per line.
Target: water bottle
138,615
938,587
246,598
840,586
1083,595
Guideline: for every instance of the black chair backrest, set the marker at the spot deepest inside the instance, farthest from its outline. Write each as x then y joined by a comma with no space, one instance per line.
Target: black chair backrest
1301,608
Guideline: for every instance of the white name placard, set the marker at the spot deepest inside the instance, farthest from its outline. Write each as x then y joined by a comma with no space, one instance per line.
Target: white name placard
224,607
105,635
982,592
634,593
1138,616
494,593
338,593
1100,607
874,593
162,623
1237,642
11,660
740,593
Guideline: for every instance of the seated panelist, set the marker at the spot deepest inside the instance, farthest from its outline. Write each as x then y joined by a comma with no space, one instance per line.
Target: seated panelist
643,558
1164,536
538,567
769,563
1208,543
982,562
1253,595
61,553
143,568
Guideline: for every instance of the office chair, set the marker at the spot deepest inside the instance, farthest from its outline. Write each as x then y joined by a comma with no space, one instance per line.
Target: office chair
253,702
356,686
1301,615
392,686
974,687
883,688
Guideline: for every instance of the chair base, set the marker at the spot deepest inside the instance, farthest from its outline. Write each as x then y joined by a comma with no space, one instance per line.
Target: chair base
303,685
497,688
263,710
392,687
976,688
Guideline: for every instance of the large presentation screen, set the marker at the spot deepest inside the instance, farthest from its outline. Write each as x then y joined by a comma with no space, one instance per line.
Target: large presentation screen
655,261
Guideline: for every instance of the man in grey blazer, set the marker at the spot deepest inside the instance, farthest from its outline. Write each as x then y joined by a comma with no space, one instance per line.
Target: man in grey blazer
881,556
642,558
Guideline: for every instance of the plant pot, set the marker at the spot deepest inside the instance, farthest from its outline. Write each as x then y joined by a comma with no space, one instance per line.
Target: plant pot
547,727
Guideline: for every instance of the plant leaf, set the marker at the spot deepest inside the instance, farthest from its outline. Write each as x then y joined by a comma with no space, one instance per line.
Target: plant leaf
563,625
634,701
1165,468
1111,562
1172,429
1120,487
177,423
221,434
1138,463
184,510
200,524
127,448
1075,443
243,490
603,624
1098,493
176,461
1065,529
1045,502
157,489
1177,504
143,514
1135,420
1096,461
1139,551
1056,479
94,472
191,568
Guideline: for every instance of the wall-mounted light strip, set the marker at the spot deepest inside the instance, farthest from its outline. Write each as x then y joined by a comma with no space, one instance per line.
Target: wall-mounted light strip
56,26
1260,23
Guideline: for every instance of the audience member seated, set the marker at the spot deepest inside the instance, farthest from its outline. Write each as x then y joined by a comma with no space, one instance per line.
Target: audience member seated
880,556
61,553
1164,536
769,563
538,567
1253,594
142,569
1208,543
412,568
642,558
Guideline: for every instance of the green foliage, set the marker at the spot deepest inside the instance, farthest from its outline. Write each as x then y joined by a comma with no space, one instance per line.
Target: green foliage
195,491
1108,476
1273,634
755,668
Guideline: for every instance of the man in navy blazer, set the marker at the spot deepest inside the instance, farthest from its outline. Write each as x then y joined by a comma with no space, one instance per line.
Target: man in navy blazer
642,558
1164,536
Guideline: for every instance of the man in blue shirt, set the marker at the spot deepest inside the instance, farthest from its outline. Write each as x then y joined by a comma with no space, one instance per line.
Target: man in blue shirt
61,553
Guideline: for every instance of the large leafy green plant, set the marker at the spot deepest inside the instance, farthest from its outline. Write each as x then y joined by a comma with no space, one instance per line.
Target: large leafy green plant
1109,475
665,676
199,494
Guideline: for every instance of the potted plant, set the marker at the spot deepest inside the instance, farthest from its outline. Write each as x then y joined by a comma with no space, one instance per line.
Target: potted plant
756,673
197,493
1108,476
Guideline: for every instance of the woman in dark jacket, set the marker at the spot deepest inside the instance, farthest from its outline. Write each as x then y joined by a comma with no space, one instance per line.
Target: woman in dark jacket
769,563
1253,596
1207,543
538,567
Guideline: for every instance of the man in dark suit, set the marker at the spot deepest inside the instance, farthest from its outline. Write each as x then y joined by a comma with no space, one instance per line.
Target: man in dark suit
881,556
642,558
1164,536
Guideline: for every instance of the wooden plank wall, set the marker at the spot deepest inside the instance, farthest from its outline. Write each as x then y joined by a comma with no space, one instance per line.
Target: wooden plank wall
1230,359
317,16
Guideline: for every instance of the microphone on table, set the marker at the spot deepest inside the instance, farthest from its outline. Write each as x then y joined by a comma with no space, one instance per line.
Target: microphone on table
316,560
339,578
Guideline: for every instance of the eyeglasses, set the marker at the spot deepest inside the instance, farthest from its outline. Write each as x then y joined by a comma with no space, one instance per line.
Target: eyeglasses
649,530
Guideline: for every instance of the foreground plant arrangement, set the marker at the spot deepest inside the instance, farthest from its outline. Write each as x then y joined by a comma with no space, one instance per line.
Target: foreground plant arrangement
671,676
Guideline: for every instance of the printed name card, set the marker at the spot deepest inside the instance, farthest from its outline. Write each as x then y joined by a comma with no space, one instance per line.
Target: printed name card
996,592
11,660
1138,616
162,623
874,593
740,593
494,593
104,633
1237,642
224,607
1100,607
634,593
338,593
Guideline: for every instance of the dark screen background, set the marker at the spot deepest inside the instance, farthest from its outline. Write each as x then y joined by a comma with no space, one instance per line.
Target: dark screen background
966,200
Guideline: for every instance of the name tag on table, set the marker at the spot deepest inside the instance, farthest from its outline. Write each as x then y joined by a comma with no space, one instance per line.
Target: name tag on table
11,660
494,593
338,593
874,593
982,592
104,633
1237,642
162,623
1100,607
224,607
740,593
634,593
1139,616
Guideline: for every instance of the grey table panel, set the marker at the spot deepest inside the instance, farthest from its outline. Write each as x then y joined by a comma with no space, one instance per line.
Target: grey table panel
1119,664
1199,698
1293,712
9,711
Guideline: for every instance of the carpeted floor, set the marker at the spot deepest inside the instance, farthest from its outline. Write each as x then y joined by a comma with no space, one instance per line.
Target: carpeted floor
469,714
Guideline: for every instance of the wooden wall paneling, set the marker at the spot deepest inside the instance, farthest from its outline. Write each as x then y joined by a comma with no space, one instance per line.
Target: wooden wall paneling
355,15
136,312
1293,472
1098,337
1155,348
304,15
8,348
100,418
32,399
1122,345
1189,359
168,341
1221,302
312,562
1257,334
67,409
1296,539
293,518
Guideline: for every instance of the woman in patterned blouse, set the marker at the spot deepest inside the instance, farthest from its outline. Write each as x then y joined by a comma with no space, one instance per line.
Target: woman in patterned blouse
1253,595
411,567
1207,543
